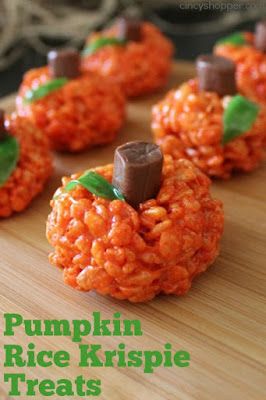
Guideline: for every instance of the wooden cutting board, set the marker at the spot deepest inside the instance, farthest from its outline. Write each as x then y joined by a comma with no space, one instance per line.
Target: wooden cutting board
221,322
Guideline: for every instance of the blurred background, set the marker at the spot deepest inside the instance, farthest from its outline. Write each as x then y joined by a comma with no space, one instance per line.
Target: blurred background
30,28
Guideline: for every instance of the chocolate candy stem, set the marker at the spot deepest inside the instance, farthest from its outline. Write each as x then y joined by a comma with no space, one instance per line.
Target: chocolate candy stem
216,74
129,28
3,132
64,63
137,171
260,36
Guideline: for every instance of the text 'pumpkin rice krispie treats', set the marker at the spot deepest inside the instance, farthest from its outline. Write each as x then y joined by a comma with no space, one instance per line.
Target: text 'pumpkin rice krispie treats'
25,163
140,227
132,52
74,110
206,121
248,52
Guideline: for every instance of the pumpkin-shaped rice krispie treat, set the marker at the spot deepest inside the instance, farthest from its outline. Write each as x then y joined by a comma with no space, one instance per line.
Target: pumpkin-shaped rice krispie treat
132,52
248,51
25,163
132,230
74,110
206,121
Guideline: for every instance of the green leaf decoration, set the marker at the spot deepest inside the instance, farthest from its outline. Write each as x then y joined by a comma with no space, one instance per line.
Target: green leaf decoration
237,39
45,89
9,154
102,42
97,185
238,118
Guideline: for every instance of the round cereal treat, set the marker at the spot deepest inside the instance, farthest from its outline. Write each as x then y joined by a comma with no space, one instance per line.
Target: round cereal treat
247,51
133,52
25,164
135,252
219,133
74,110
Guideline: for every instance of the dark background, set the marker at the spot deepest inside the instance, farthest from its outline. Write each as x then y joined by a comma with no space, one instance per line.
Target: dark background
193,31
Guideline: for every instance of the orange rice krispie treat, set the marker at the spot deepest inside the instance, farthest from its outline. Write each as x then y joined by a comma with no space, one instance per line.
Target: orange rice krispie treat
76,111
132,52
148,232
248,51
206,121
25,163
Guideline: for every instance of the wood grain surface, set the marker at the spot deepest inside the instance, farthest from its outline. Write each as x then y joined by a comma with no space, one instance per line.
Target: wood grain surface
221,322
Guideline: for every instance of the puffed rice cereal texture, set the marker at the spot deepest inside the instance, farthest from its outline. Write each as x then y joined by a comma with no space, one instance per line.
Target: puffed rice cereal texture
85,112
188,124
109,247
33,169
250,67
141,67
